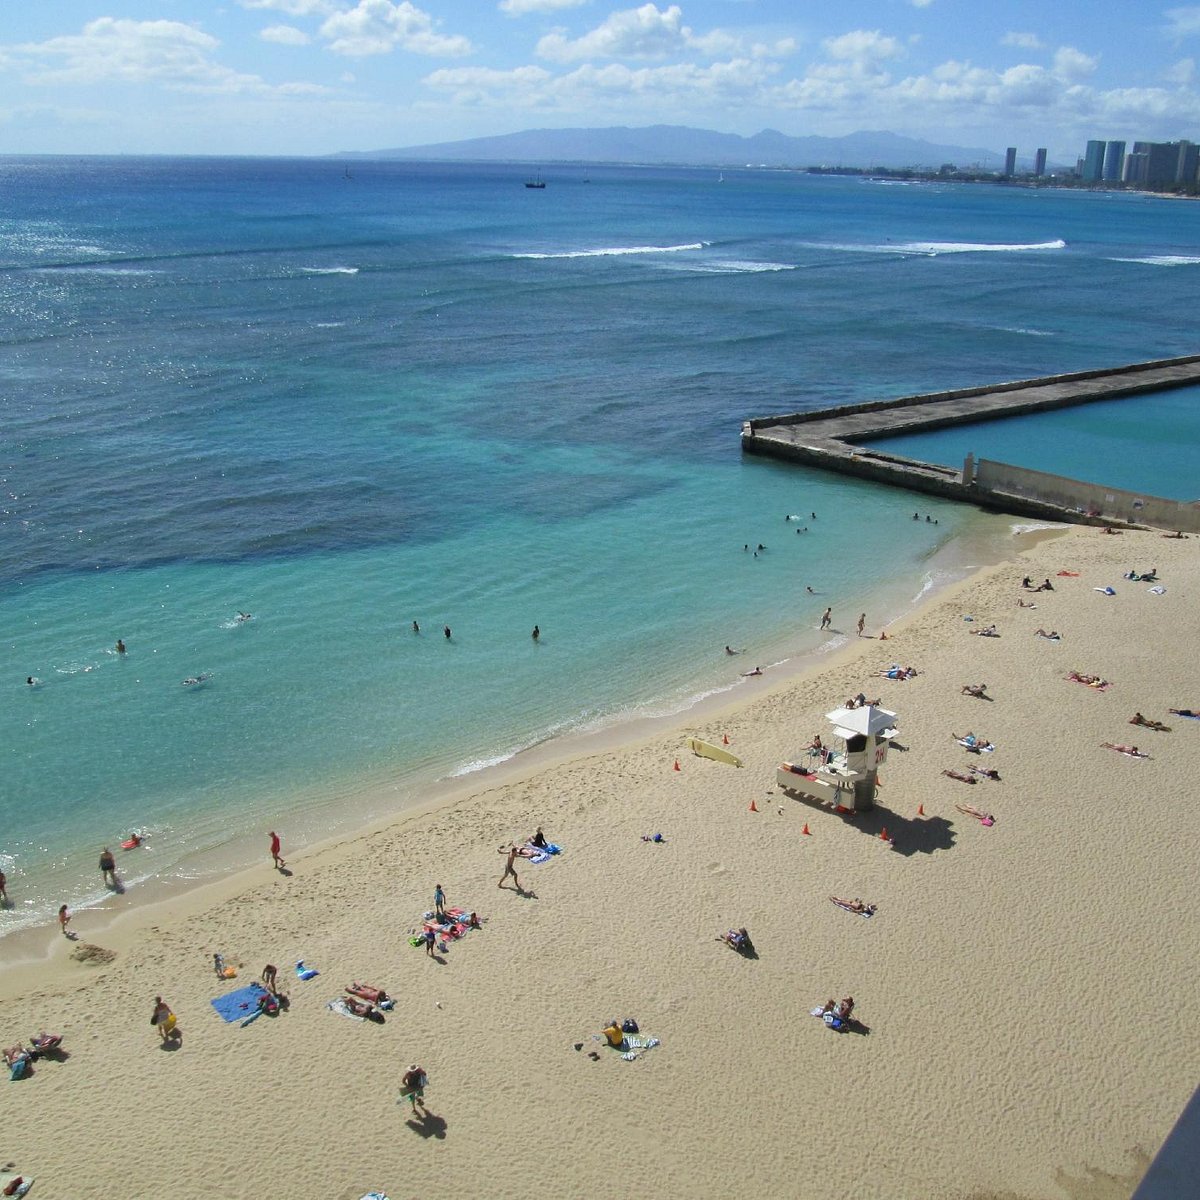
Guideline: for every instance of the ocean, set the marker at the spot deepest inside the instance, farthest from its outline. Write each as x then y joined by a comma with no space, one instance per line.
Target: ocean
344,400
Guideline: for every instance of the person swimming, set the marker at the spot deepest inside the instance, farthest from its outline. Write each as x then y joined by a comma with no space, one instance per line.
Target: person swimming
191,680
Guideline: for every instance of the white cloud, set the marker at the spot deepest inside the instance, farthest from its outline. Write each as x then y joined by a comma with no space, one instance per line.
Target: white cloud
681,88
649,32
284,35
1073,65
379,26
1025,41
109,50
1183,22
862,46
921,3
520,8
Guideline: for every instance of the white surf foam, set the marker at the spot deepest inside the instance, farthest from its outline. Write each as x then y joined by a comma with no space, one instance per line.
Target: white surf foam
1163,260
933,249
740,267
329,270
608,251
1017,530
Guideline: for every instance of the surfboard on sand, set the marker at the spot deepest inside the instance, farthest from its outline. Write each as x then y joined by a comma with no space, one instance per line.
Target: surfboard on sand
718,753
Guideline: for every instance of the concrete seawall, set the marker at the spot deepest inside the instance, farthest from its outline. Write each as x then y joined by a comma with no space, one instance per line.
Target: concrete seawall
830,439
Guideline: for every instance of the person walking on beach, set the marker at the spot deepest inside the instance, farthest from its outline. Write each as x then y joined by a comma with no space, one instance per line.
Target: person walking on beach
275,856
64,919
163,1017
826,618
439,901
430,939
862,620
108,868
412,1086
509,868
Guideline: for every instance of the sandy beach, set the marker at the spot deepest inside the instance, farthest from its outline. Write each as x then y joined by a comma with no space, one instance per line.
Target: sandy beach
1025,989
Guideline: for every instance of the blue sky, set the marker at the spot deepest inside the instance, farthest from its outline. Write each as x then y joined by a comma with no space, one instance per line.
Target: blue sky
317,76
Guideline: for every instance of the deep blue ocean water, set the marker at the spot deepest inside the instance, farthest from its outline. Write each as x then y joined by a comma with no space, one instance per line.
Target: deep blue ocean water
343,402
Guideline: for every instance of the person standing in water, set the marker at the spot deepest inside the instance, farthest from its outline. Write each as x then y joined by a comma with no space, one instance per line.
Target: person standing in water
537,632
120,646
826,618
416,627
108,868
446,631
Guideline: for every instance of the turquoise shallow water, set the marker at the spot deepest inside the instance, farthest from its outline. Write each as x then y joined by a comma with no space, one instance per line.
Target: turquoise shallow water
428,393
1145,443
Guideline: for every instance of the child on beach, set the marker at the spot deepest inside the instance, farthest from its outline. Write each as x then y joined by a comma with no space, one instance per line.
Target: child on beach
64,919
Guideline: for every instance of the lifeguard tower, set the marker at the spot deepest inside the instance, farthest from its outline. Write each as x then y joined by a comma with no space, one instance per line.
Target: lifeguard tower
844,778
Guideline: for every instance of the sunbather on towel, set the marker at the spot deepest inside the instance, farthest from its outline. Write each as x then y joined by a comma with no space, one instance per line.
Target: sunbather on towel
854,906
982,817
1128,751
962,776
1138,719
986,772
1184,712
978,690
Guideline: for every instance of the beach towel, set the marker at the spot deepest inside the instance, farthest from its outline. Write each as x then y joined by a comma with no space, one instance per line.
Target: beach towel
1157,590
237,1006
374,1196
867,912
1107,591
545,853
339,1006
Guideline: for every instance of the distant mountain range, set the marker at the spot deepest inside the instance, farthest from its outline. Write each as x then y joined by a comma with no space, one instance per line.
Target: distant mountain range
678,145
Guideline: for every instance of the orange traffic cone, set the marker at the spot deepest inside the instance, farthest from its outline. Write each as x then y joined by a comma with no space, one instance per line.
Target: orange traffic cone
920,810
725,739
883,837
805,830
676,767
753,806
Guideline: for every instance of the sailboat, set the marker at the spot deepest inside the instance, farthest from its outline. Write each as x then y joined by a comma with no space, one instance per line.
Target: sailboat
537,182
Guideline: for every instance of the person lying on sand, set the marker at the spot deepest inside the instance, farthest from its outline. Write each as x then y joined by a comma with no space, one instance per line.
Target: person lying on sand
986,772
1178,535
854,906
1185,712
990,631
960,775
982,817
1051,635
756,671
1110,529
1090,680
1128,751
978,690
969,741
1138,719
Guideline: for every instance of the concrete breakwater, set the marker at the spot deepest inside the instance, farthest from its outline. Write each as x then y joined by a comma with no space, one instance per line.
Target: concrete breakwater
831,439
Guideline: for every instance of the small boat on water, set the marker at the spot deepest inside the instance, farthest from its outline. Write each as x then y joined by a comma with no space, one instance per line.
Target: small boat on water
536,182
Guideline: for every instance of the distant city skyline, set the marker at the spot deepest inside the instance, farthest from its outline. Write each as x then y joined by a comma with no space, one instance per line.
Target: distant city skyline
319,76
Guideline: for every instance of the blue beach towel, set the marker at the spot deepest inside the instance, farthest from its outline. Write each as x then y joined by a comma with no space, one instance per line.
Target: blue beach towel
546,853
236,1006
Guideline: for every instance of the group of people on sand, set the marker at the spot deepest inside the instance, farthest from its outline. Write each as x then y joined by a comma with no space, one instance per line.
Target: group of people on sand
1030,586
1147,723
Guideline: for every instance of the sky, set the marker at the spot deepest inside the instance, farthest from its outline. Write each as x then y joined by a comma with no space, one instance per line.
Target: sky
310,77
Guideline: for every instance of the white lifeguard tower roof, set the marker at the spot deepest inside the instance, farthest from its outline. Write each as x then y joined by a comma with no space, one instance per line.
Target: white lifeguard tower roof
866,721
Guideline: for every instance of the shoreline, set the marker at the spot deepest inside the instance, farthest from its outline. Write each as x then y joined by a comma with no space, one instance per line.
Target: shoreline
998,976
379,803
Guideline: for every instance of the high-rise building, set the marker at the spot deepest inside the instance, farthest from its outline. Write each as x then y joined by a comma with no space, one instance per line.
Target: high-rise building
1187,162
1039,162
1162,161
1010,161
1114,160
1136,166
1093,162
